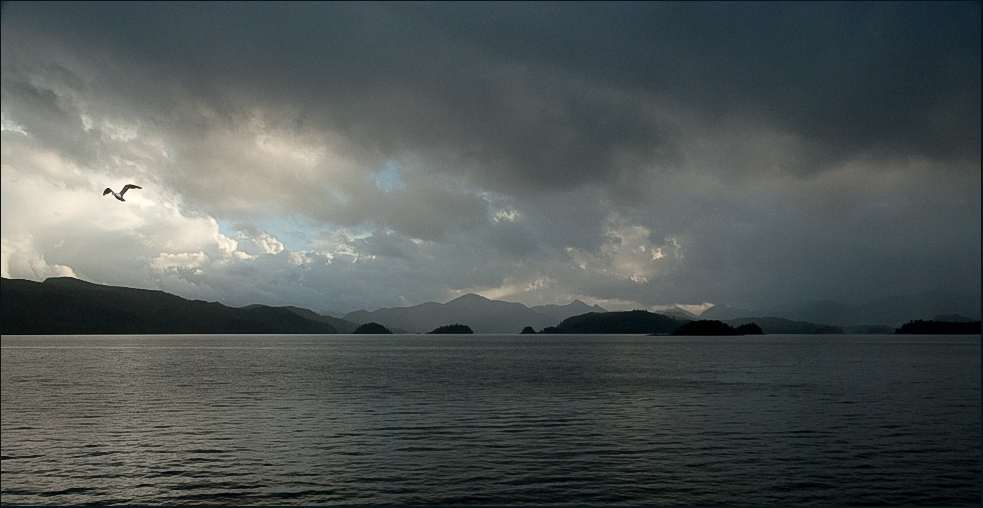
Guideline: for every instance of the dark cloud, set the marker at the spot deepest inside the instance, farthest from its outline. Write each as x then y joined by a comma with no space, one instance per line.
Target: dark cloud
553,146
553,95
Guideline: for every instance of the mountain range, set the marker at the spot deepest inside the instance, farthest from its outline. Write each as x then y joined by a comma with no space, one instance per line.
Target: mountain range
68,306
892,311
65,305
481,314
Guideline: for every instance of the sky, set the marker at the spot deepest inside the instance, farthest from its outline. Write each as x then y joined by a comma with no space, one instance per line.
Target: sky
344,156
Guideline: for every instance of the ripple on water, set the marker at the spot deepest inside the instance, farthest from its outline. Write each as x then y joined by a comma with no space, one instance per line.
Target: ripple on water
490,420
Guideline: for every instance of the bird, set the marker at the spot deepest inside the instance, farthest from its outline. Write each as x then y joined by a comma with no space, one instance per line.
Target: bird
119,195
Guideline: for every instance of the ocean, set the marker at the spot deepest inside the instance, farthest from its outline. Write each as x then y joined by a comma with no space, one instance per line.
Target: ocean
491,419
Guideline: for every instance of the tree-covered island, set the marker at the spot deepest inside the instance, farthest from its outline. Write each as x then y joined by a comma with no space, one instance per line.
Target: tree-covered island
455,328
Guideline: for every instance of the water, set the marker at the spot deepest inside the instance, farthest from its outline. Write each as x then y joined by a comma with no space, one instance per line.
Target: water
491,420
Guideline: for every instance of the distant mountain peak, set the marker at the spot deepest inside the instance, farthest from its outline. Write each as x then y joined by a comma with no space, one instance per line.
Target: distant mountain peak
481,314
561,312
470,297
722,312
677,312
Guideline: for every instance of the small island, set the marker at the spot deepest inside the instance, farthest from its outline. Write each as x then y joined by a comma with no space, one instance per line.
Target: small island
372,329
920,327
625,322
455,328
713,327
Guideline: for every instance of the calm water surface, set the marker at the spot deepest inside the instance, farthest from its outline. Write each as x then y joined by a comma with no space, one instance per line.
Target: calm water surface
490,420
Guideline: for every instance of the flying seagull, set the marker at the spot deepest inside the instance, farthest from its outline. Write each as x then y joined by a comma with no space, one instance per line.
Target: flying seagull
119,195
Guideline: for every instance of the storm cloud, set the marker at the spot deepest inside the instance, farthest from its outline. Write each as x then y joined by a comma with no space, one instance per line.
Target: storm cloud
338,156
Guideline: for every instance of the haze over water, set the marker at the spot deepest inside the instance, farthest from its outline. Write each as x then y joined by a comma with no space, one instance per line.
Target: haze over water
491,420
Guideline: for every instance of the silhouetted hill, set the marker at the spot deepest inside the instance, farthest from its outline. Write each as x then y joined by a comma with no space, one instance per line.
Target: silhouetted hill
372,329
679,314
561,312
940,328
953,318
750,329
64,305
482,314
901,309
635,321
779,325
705,327
455,328
339,324
890,312
725,312
826,311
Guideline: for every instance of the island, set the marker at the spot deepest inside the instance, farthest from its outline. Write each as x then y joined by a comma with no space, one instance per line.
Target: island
713,327
372,329
634,321
919,327
455,328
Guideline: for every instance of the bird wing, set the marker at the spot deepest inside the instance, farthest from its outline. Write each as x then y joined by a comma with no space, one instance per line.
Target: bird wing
128,187
107,191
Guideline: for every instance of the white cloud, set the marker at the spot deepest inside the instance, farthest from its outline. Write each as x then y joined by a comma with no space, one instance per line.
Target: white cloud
179,261
628,253
19,259
261,244
527,291
7,125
